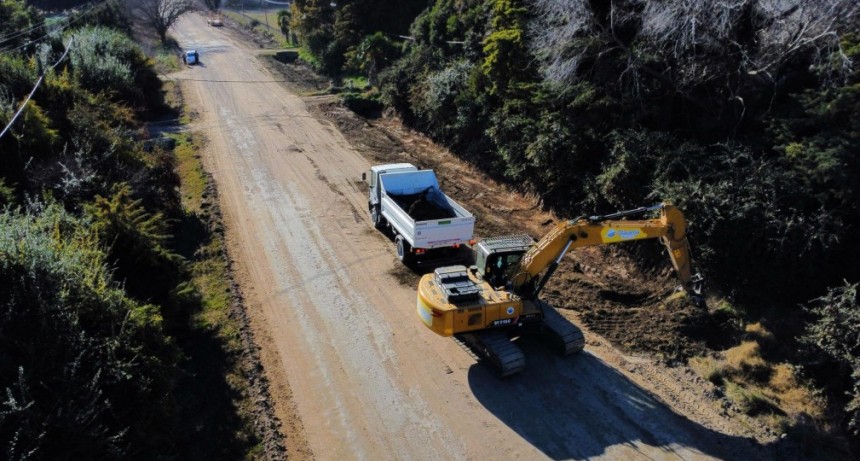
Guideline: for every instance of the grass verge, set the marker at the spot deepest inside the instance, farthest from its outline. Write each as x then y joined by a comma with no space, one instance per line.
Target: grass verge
218,399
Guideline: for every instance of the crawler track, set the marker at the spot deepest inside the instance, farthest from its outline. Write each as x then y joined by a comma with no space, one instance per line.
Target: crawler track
567,337
496,347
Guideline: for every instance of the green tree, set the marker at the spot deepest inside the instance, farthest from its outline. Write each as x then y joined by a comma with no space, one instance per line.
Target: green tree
373,53
313,22
284,24
507,59
137,241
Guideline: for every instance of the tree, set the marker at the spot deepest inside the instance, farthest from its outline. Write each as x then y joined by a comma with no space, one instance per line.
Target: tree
702,40
284,19
374,53
160,15
507,58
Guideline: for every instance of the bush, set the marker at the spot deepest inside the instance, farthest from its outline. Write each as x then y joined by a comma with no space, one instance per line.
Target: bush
137,243
106,60
364,105
85,369
834,336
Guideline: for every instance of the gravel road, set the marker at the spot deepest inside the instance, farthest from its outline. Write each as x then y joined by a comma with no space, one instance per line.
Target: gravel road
354,374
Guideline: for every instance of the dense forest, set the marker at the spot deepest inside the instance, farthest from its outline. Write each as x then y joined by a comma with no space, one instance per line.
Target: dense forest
96,296
742,113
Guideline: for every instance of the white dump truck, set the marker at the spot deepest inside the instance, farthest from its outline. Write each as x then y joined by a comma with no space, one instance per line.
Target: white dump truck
425,223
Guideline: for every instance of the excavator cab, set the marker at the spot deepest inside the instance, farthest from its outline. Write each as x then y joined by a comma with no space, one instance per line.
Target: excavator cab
498,258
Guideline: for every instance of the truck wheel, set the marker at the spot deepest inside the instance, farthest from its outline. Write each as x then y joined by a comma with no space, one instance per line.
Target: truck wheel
403,253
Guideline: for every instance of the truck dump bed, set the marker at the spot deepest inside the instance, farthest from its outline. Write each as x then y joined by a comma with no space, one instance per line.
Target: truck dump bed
417,208
424,206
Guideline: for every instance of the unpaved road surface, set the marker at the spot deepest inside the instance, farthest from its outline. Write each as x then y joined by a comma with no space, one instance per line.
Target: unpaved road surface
353,373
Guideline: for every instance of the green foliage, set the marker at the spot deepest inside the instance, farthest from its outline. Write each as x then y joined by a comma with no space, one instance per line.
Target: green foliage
332,32
437,100
506,54
834,336
86,370
17,17
373,54
137,247
284,20
17,76
7,194
101,57
106,60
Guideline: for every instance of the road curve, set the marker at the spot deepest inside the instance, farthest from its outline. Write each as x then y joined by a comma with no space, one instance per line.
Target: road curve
366,379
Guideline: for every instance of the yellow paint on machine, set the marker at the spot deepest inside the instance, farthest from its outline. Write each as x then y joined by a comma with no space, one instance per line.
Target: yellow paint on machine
445,319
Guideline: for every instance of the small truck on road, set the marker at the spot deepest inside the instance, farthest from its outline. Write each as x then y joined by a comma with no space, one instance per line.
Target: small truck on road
425,223
191,57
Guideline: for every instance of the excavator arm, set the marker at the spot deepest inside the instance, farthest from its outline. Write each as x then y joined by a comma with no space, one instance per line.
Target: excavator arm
541,260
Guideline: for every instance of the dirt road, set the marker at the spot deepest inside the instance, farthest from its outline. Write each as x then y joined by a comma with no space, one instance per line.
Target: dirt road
354,374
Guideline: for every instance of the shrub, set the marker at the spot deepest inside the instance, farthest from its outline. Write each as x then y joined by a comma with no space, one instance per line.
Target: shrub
106,60
85,369
751,401
834,335
746,359
364,105
137,247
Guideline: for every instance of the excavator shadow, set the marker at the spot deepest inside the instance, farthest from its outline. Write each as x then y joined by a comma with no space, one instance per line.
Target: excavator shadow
579,407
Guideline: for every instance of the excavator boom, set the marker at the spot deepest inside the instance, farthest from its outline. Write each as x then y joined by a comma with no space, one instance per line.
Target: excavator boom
670,228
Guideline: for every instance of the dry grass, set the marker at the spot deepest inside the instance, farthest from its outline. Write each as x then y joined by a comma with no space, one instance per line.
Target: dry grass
772,392
757,332
709,368
745,359
752,400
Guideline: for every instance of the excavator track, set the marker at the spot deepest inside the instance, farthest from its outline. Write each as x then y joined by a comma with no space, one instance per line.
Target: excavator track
565,335
496,347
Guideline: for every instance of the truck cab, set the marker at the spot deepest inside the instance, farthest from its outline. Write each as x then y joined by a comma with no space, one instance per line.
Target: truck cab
375,187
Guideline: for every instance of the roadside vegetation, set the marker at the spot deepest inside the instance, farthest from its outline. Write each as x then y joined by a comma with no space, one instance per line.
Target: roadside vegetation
262,25
741,113
116,335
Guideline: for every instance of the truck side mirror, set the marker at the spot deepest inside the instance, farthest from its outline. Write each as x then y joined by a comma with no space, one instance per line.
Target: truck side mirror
364,176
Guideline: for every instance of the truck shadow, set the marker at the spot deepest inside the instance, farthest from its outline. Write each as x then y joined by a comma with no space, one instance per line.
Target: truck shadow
579,407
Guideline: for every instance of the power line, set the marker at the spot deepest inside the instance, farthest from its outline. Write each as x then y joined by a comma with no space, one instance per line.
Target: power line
38,82
76,19
12,35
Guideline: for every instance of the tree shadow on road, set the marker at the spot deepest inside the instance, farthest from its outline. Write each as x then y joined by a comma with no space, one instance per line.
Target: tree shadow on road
579,407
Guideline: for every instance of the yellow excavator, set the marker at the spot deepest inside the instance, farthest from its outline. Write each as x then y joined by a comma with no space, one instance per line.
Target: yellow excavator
495,300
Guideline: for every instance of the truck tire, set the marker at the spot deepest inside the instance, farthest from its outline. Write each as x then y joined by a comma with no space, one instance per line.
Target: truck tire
403,250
